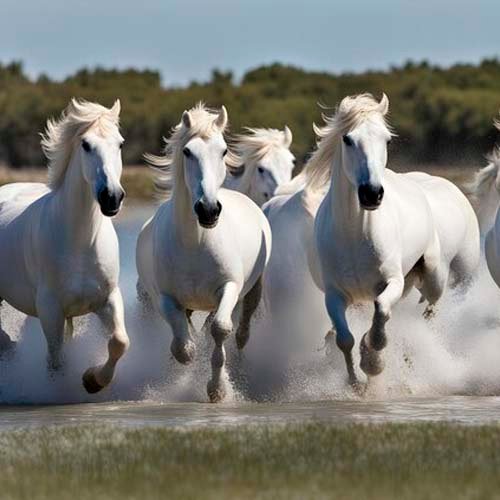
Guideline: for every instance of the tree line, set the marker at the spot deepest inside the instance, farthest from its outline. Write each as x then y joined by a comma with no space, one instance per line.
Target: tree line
440,115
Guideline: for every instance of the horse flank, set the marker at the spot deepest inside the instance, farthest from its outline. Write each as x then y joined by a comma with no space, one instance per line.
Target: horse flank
60,135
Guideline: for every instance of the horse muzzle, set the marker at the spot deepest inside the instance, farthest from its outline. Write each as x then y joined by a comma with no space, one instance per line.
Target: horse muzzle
110,201
207,213
370,196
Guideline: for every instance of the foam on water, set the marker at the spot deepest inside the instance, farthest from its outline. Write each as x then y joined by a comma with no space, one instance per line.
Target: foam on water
457,352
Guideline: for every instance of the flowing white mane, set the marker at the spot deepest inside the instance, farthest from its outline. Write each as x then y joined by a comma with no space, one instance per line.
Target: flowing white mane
61,135
168,167
350,113
248,149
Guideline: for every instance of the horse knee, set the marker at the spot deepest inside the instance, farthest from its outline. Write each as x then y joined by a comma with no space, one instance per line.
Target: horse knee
220,331
345,341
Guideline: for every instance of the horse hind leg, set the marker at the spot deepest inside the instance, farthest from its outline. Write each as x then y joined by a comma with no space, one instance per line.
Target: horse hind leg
7,345
433,284
250,303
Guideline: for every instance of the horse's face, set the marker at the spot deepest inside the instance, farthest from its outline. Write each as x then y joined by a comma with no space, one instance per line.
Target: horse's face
273,170
205,171
365,157
102,168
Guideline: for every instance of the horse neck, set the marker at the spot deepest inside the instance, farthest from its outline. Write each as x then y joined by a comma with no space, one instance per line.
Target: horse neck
186,226
343,199
76,207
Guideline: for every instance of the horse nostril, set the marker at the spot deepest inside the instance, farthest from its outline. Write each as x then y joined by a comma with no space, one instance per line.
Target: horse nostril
121,196
219,208
103,196
380,194
198,208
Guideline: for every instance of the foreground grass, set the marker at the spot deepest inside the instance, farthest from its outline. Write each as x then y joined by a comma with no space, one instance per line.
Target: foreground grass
300,461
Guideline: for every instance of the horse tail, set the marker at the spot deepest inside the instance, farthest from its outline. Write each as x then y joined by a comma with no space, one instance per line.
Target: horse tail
484,192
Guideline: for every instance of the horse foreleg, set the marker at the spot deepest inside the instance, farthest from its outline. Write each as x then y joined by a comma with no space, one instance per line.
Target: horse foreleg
182,346
375,340
52,318
112,318
221,328
250,303
336,306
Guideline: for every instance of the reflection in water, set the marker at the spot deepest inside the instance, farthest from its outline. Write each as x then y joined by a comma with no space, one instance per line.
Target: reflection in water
462,410
427,364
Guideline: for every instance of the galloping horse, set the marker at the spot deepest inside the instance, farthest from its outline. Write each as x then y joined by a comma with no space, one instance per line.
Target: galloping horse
378,233
486,191
206,247
59,251
260,162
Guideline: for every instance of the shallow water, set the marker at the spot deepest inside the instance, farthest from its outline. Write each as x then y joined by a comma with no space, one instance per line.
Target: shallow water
448,369
461,410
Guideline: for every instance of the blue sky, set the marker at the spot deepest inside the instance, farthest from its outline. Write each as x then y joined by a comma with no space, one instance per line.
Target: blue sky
185,39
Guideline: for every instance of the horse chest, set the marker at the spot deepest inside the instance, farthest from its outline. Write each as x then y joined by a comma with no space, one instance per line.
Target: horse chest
196,278
358,269
84,286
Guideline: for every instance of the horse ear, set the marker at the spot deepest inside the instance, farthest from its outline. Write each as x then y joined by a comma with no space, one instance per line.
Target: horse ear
117,107
288,136
384,104
186,119
221,120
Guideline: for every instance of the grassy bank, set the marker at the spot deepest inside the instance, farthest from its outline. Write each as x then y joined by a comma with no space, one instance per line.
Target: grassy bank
420,461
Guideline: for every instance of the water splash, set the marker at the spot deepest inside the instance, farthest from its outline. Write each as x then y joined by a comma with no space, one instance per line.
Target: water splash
457,352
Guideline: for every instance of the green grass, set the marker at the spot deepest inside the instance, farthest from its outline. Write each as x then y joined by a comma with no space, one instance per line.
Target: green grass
297,461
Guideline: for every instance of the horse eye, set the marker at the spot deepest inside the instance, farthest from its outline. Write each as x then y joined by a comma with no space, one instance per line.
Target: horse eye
224,153
187,152
294,161
120,145
347,140
86,146
260,170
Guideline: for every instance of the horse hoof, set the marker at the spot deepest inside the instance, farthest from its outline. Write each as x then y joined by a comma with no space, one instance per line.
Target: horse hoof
358,387
216,392
183,352
371,360
90,383
429,312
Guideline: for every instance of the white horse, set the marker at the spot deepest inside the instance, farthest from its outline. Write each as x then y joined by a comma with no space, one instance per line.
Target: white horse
59,251
260,162
206,247
485,191
378,233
